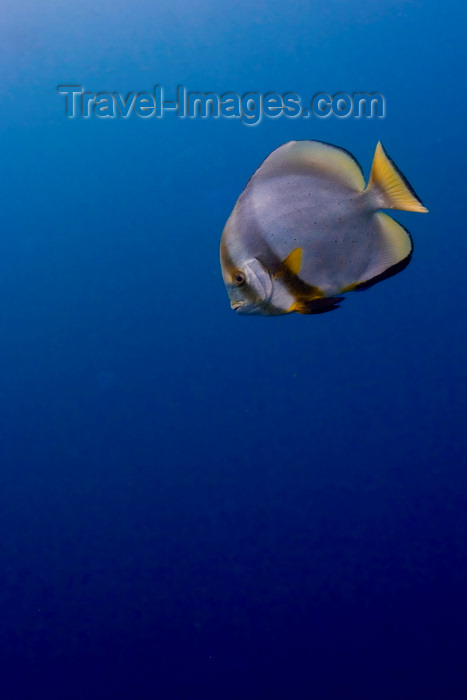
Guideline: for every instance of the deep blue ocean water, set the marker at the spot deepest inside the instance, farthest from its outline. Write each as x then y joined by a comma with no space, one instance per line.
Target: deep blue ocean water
196,505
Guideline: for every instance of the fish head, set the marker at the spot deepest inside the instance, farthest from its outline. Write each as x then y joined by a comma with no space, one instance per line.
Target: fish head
249,286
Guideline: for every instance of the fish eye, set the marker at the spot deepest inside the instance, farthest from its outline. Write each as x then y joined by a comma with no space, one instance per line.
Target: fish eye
239,279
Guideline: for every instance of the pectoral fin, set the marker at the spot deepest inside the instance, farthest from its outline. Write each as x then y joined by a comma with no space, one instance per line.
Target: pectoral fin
291,265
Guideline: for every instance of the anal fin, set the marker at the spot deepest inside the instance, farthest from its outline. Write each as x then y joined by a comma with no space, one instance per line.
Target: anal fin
392,255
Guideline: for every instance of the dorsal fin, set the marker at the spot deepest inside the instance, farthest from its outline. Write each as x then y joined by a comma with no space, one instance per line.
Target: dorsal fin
302,157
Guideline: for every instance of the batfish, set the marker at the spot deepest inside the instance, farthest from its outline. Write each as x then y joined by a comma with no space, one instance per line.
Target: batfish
306,230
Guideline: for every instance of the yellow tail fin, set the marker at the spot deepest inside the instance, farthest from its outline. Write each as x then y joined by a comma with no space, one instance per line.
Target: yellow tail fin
393,189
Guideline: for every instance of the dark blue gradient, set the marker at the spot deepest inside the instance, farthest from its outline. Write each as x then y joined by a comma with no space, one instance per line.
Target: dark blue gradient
196,505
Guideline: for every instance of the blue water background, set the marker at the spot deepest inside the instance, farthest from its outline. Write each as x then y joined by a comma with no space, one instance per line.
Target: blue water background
196,505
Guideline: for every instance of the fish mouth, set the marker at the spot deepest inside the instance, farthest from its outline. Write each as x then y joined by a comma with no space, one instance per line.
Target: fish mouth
236,305
244,308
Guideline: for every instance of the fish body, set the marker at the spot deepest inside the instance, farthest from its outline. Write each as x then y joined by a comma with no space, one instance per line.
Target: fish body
306,229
